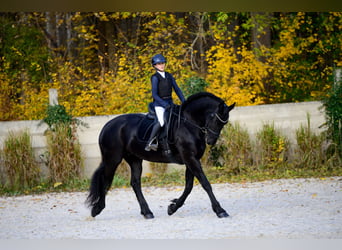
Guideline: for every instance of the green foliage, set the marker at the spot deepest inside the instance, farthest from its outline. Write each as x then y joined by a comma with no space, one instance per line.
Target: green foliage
333,112
64,156
120,181
56,114
21,169
193,85
24,54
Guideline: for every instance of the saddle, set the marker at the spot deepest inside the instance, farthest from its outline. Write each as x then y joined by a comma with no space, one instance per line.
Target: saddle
166,132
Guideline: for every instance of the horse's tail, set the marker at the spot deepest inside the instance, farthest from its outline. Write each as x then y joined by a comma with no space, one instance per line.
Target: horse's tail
97,188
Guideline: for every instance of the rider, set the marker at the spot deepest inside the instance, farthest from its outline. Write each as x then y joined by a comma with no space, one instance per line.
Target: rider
162,84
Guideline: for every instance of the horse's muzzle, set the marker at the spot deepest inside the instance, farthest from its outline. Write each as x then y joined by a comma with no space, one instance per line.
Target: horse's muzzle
211,140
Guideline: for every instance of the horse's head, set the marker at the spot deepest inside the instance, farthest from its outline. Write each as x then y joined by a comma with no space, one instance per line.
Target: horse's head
209,112
216,121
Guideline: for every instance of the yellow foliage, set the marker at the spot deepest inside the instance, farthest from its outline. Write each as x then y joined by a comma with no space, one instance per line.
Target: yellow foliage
236,80
236,72
127,91
6,103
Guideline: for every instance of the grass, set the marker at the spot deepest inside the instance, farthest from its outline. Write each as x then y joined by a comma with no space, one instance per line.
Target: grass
21,173
176,178
19,164
64,157
273,156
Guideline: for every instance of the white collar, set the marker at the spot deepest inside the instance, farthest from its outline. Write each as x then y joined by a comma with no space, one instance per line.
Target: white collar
161,73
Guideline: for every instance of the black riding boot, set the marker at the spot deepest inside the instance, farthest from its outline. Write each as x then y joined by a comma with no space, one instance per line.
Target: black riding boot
166,147
153,138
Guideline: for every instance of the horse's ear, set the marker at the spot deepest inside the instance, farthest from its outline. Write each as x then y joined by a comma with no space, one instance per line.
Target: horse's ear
223,107
231,106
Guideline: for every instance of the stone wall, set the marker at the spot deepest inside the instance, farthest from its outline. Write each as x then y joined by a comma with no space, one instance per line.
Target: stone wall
287,117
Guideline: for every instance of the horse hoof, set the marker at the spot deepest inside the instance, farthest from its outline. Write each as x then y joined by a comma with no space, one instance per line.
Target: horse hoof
223,215
95,211
148,216
171,209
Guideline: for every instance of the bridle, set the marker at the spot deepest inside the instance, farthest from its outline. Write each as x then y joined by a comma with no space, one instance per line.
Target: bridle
224,122
204,129
221,120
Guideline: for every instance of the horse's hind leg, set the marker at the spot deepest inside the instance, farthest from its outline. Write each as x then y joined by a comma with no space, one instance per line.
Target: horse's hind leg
100,183
177,203
136,171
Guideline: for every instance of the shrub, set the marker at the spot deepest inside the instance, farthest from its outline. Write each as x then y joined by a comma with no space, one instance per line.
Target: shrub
233,152
64,156
20,167
309,152
240,148
333,112
57,114
272,148
193,85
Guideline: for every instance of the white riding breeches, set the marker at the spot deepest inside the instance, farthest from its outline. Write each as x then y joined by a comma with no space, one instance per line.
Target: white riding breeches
160,114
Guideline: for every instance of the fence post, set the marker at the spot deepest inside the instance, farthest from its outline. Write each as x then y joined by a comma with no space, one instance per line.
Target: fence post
53,97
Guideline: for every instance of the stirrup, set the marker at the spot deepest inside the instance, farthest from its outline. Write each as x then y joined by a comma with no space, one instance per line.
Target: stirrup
152,146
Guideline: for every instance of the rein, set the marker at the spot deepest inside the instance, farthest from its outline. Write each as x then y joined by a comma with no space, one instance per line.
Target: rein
221,120
204,129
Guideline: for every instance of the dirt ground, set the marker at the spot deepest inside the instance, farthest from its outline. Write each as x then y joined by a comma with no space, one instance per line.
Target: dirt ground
276,209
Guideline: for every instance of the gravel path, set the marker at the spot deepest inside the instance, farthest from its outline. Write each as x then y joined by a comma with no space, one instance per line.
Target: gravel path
294,208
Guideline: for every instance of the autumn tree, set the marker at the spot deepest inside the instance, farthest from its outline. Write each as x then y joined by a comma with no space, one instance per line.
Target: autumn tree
100,61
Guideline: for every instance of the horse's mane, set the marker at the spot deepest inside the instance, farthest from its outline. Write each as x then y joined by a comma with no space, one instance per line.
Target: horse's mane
198,96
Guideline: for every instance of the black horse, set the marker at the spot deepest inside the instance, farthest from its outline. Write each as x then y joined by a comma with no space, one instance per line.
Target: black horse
199,121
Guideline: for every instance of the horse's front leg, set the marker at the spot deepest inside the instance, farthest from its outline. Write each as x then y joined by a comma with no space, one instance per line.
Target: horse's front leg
177,203
195,166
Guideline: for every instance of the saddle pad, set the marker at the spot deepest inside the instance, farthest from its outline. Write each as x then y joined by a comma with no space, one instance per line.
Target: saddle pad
145,128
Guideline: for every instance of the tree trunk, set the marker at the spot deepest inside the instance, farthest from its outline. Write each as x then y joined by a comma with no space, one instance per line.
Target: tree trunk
261,33
50,30
69,36
109,26
261,37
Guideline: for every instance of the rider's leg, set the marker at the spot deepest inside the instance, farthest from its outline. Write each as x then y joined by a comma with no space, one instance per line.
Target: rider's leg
153,141
163,116
160,115
155,130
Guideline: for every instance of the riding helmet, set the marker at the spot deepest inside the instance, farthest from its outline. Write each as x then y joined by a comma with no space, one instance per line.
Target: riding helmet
158,59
